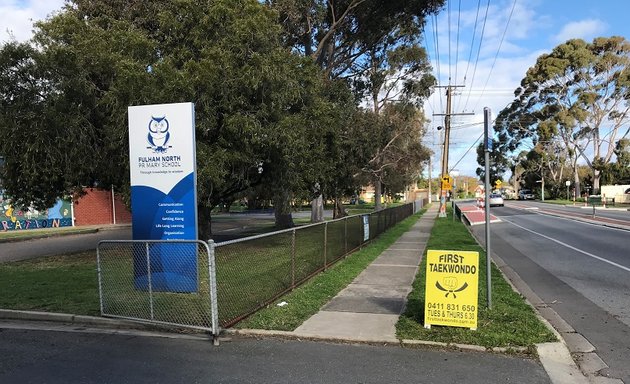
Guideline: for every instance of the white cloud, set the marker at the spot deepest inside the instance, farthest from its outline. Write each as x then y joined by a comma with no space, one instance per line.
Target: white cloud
506,75
17,17
584,29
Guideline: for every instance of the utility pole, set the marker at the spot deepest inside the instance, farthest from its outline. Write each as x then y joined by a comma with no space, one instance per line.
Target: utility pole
447,134
430,165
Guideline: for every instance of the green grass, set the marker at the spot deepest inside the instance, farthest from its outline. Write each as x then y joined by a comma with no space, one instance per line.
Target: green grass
306,300
65,284
510,323
69,284
359,211
562,201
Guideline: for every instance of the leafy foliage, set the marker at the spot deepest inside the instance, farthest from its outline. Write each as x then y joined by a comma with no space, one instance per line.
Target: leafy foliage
267,118
576,95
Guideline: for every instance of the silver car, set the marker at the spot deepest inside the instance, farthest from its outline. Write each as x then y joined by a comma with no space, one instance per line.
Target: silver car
496,200
525,194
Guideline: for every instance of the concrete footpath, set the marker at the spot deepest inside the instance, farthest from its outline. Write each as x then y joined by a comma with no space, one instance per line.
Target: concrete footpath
368,309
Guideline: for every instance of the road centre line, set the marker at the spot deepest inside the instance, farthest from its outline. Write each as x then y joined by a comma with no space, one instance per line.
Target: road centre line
572,247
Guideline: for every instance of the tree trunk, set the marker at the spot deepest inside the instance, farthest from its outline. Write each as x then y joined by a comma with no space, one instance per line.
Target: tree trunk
225,207
282,210
317,209
377,196
576,181
597,175
339,211
204,224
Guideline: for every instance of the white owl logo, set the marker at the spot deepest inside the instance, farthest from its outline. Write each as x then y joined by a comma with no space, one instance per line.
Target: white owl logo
158,134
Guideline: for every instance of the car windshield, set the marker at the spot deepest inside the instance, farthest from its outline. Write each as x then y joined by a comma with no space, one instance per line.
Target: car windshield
495,195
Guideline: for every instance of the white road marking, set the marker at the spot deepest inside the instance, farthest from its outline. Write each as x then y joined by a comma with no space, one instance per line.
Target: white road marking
573,248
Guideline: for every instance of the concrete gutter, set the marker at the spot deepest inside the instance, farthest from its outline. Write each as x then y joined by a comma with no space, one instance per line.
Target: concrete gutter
10,314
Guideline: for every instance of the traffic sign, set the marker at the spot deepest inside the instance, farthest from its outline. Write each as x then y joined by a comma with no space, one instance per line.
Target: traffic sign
447,182
498,183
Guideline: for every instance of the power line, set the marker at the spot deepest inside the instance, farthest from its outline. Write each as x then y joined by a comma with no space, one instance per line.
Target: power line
468,150
472,44
459,16
497,54
449,42
483,29
426,47
437,56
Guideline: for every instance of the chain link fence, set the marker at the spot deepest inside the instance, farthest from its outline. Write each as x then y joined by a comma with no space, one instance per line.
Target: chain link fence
253,272
207,286
164,282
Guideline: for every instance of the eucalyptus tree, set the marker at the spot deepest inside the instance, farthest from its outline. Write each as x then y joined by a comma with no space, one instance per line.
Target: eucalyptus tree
618,172
373,46
60,125
499,162
337,34
579,94
65,95
396,155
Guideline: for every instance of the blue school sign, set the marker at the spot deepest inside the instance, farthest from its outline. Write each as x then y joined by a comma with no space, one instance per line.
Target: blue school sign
164,194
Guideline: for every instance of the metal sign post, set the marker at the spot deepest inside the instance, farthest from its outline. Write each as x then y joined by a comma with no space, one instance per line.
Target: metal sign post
487,140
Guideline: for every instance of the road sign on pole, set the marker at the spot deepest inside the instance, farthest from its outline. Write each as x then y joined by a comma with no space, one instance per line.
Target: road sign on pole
487,138
447,183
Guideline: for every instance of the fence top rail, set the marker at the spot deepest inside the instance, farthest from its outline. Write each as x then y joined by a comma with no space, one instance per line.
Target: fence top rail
174,241
263,235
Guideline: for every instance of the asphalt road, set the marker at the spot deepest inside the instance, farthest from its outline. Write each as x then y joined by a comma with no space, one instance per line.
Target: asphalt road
224,227
36,356
616,213
580,270
67,244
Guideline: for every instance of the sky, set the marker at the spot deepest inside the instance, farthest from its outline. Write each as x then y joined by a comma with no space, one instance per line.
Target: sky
486,46
490,61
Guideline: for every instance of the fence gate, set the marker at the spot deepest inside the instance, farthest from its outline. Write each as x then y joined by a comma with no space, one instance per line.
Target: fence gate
135,279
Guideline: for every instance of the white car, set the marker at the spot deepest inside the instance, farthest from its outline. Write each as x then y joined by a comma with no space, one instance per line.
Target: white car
496,200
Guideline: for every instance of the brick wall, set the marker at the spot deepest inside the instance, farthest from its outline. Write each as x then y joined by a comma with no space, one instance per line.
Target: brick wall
95,207
123,215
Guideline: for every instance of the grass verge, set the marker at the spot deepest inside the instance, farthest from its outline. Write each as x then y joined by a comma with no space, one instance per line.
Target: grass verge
65,284
560,202
510,323
306,300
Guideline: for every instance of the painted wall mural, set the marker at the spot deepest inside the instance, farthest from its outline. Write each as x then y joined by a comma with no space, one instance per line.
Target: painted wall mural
12,219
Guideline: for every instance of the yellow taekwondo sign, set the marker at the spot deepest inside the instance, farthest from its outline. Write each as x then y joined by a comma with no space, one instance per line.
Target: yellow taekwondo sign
451,294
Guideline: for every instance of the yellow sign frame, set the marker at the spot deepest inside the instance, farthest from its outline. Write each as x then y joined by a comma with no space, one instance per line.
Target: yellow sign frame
447,183
451,289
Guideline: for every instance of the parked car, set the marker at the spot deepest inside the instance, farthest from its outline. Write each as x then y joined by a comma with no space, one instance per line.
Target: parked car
525,194
496,200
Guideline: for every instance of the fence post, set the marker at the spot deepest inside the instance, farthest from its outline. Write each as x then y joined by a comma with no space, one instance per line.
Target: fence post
293,259
146,247
214,307
325,244
100,279
345,236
